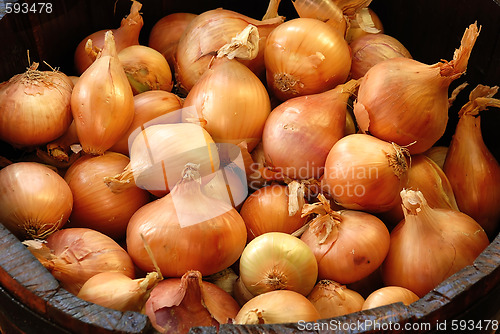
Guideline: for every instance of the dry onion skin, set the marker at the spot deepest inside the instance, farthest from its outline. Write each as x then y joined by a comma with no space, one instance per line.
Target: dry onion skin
73,255
323,10
430,245
332,299
364,22
34,200
127,34
404,101
177,304
305,56
277,261
95,205
389,295
102,101
348,245
274,307
35,107
473,171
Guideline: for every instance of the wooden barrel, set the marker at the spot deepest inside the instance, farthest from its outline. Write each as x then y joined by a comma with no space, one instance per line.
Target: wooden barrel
32,301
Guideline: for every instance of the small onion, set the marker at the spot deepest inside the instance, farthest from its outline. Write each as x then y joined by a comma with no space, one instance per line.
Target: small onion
348,245
95,205
277,261
35,107
332,299
305,56
389,295
274,307
34,200
73,255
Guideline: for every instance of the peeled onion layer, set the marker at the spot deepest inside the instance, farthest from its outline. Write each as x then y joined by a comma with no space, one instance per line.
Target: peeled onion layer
404,101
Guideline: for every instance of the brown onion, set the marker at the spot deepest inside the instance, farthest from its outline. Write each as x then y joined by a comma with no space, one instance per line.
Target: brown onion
34,200
389,295
332,299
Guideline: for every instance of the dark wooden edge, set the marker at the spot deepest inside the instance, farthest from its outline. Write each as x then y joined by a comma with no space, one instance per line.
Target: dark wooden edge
25,278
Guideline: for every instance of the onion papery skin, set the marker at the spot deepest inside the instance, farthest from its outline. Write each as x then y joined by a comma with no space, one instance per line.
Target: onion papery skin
150,107
278,261
389,295
80,253
166,33
305,56
300,132
126,35
266,210
231,103
146,69
332,299
405,101
35,107
102,102
356,29
352,250
430,245
206,34
95,205
371,49
365,173
177,304
33,200
274,307
323,10
186,230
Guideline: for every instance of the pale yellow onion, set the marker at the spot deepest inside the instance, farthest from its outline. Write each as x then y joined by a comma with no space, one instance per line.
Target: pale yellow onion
146,69
35,107
117,291
159,154
277,261
207,33
389,295
299,62
332,299
430,245
34,200
127,34
230,102
274,307
102,102
95,205
166,33
150,107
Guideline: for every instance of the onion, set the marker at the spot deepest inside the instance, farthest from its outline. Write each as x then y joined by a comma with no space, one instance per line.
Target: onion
365,173
473,171
267,210
102,102
405,101
300,132
389,295
208,32
305,56
348,245
166,33
73,255
228,184
430,245
159,154
177,304
372,49
150,107
437,154
34,107
224,279
127,34
186,230
146,69
332,299
278,261
240,292
118,291
276,307
323,10
95,205
34,200
230,101
364,22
